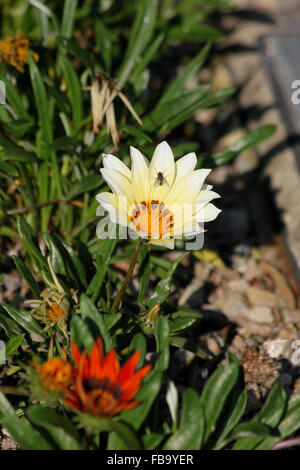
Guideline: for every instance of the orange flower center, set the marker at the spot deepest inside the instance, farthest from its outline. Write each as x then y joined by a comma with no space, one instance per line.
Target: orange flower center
55,312
153,218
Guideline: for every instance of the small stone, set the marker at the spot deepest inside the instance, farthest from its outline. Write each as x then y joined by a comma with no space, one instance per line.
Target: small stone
260,315
213,346
239,285
289,331
238,342
276,347
260,297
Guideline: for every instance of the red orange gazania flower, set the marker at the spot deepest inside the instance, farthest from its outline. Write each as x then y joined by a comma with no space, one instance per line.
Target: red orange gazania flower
99,385
55,374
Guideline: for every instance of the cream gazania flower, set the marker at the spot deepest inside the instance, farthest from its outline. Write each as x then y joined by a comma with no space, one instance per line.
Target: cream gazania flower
161,200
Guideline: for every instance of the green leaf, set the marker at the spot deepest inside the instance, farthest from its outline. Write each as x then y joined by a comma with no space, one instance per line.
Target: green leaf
81,333
60,428
57,260
289,424
41,101
103,42
177,86
127,436
20,428
31,244
86,184
73,260
73,48
232,411
212,99
24,319
88,310
141,34
218,3
13,343
74,92
163,288
138,343
162,338
252,429
184,343
181,324
195,33
26,273
174,108
14,99
251,139
191,430
8,169
144,272
215,393
270,414
17,154
67,24
146,396
96,283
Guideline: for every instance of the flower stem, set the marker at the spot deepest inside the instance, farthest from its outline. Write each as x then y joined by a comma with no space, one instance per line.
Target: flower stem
127,279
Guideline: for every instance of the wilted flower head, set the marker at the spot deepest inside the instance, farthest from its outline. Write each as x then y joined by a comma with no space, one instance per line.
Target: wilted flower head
161,200
53,309
14,51
103,93
100,386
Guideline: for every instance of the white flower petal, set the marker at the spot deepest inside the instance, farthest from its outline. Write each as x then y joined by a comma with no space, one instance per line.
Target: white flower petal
140,175
162,162
170,244
207,213
187,189
114,163
205,197
118,183
185,165
117,213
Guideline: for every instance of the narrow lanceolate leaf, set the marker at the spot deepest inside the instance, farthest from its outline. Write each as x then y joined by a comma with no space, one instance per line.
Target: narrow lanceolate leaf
166,112
140,36
96,283
163,288
26,273
233,409
126,435
195,33
162,337
270,414
67,24
13,343
178,84
74,262
24,319
31,244
41,100
192,425
20,428
88,310
146,396
215,394
144,272
74,92
59,427
251,139
87,183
